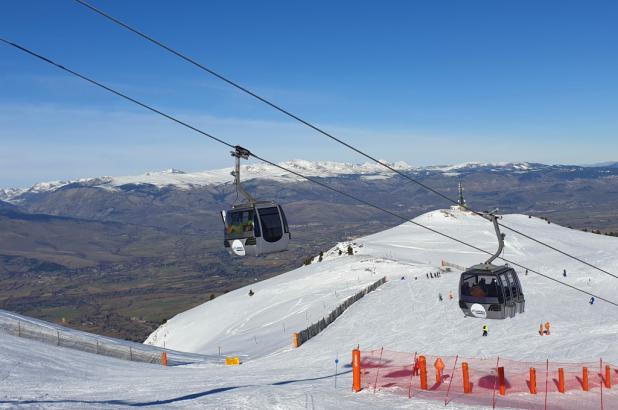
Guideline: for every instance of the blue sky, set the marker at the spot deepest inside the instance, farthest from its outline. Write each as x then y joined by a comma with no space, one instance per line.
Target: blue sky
429,82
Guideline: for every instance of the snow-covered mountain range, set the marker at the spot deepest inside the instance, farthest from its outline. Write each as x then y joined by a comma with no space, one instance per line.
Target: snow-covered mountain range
323,169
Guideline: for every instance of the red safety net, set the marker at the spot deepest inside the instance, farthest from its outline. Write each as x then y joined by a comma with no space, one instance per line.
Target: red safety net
389,371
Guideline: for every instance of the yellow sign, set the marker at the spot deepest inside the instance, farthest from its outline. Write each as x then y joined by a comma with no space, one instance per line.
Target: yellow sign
232,361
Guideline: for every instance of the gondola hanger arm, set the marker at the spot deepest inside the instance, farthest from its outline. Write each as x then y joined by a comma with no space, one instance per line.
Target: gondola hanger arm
238,153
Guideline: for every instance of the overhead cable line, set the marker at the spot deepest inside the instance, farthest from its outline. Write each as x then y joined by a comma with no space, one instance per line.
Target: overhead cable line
313,180
325,133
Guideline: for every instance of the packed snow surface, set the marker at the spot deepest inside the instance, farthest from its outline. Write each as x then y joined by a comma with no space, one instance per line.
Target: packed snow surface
403,314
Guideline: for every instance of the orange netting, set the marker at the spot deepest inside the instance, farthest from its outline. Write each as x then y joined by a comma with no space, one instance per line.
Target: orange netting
384,370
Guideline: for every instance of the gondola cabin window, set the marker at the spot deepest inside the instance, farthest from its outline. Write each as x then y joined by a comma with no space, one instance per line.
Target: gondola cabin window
286,229
505,287
240,223
272,228
480,286
514,291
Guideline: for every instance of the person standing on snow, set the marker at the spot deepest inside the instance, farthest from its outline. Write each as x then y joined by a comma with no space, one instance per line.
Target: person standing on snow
564,273
485,330
591,300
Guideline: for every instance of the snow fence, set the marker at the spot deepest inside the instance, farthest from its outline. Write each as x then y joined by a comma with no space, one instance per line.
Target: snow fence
313,330
23,326
491,382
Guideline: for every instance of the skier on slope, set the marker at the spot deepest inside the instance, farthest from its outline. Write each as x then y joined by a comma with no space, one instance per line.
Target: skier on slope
591,300
485,330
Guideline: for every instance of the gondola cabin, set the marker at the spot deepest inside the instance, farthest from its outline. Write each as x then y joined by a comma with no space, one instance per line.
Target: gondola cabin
491,292
255,229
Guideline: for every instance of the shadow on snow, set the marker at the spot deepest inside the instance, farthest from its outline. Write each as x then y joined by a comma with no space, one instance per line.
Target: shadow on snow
192,396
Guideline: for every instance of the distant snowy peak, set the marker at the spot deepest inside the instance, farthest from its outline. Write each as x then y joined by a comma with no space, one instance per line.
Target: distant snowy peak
9,193
498,166
330,168
325,169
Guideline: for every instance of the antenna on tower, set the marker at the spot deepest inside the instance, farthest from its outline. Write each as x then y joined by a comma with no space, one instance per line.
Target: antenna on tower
461,201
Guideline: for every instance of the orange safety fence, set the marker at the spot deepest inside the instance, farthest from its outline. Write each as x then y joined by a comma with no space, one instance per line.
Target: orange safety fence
491,382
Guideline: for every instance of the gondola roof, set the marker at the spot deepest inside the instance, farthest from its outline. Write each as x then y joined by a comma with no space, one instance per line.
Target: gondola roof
487,268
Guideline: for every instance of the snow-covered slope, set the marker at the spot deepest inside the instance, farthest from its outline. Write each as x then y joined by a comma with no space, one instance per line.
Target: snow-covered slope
186,180
403,315
262,324
39,376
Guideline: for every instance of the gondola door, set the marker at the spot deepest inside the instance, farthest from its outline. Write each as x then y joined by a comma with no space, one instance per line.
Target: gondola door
510,297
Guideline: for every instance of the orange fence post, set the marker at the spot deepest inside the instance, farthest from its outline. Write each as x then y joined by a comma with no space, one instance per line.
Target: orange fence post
296,340
439,365
585,386
466,377
608,377
532,380
501,381
561,380
356,370
422,362
164,358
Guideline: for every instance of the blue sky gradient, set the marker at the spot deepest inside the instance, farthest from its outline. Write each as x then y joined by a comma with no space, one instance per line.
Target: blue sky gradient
425,82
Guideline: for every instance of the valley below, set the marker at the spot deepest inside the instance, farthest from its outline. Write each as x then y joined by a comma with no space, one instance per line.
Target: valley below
121,261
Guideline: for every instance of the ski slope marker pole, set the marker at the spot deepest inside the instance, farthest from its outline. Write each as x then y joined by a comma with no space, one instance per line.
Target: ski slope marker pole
422,364
336,370
356,370
411,376
532,380
601,377
451,380
375,386
466,378
501,380
546,380
493,397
